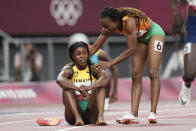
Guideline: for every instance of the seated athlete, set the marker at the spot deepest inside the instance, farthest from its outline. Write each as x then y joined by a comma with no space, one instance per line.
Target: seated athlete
83,88
112,72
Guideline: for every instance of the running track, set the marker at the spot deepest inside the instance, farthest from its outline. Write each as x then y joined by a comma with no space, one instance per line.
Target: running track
171,117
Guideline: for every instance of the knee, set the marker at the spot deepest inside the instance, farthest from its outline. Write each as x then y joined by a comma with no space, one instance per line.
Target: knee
153,74
71,121
136,76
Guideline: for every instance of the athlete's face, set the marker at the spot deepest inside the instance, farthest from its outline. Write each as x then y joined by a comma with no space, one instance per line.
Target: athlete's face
108,24
80,57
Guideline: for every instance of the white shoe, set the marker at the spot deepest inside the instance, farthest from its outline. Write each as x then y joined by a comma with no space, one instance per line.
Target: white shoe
128,119
107,104
152,118
185,95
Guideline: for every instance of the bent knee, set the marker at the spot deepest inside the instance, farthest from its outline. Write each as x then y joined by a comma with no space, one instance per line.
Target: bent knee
70,120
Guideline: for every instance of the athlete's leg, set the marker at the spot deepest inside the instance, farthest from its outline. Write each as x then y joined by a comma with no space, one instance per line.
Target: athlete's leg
189,73
107,91
100,97
137,61
72,110
189,58
91,113
155,48
95,109
108,86
190,66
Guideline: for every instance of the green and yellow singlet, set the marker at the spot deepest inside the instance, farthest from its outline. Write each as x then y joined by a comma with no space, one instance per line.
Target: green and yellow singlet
81,77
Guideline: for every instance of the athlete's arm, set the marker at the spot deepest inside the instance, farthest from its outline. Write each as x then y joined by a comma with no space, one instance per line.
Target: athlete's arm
99,42
64,78
104,57
131,42
101,79
178,21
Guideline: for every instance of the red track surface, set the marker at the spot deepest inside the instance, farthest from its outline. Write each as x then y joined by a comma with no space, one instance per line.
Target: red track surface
171,116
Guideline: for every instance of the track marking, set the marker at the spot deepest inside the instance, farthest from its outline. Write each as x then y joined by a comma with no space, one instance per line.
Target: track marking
27,114
12,122
177,115
71,128
109,113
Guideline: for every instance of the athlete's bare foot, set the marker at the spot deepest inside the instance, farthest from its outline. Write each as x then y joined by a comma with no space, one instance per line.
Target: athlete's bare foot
114,98
79,123
101,121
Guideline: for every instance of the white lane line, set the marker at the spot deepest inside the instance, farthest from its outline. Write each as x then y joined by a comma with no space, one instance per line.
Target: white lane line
111,113
177,115
12,122
71,128
106,112
159,109
27,114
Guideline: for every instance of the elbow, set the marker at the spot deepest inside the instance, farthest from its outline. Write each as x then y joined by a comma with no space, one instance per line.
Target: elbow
58,82
131,51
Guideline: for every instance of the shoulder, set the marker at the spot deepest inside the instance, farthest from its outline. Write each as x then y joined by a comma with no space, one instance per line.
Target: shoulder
130,24
130,21
67,71
96,73
103,56
101,52
68,68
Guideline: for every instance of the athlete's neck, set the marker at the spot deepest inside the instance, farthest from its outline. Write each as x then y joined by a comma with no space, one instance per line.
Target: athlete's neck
80,67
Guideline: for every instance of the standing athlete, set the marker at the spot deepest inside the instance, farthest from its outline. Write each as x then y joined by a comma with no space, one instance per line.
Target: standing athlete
83,88
145,39
189,48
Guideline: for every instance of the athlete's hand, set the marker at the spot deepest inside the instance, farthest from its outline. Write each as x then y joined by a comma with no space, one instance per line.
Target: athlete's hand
84,93
102,65
105,32
83,88
85,96
177,25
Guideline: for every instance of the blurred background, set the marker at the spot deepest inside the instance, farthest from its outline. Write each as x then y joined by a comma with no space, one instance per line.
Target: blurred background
47,24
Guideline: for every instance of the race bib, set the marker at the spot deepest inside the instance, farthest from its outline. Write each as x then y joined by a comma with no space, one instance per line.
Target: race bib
158,45
187,48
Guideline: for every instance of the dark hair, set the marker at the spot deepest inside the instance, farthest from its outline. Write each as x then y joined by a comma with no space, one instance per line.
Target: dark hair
117,14
110,12
76,45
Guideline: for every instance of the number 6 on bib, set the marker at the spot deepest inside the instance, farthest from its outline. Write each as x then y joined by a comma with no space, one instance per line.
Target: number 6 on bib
158,45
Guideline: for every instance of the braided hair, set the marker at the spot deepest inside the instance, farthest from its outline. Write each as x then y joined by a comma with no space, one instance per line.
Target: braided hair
76,45
116,15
